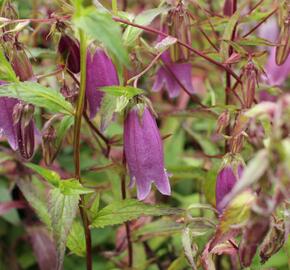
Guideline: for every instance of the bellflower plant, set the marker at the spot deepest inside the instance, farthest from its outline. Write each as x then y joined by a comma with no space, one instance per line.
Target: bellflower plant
100,72
229,174
144,151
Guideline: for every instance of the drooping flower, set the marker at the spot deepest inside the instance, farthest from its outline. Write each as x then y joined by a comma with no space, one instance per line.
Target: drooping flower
100,72
172,75
7,126
276,75
69,49
227,177
17,123
144,152
175,73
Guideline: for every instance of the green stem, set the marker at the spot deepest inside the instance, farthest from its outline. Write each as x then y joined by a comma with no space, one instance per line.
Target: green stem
77,132
115,7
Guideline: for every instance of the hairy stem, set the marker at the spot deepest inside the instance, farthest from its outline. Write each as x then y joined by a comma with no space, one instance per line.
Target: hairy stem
77,132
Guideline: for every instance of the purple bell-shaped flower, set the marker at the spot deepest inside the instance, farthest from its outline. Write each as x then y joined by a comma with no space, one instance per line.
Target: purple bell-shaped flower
100,72
144,151
227,177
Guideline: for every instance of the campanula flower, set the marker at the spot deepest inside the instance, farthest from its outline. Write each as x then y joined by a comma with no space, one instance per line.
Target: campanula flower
171,75
100,72
144,152
69,49
228,175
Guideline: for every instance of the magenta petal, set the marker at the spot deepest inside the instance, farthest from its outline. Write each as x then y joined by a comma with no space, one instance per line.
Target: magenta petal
226,180
144,153
6,120
164,78
277,74
100,72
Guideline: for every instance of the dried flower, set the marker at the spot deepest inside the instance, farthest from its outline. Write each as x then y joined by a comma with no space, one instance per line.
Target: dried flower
100,72
69,49
49,147
144,152
228,175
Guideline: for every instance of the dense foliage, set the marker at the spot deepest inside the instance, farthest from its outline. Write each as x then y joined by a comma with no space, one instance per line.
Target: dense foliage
144,134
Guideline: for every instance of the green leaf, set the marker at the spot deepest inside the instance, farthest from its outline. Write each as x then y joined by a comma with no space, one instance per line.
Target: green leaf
76,241
189,249
131,33
119,212
6,71
255,41
37,95
49,175
63,128
67,187
118,91
35,192
73,187
102,28
62,210
229,30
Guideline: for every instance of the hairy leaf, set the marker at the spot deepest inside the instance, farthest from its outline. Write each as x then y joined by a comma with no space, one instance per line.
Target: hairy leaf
62,210
102,28
76,241
119,212
38,95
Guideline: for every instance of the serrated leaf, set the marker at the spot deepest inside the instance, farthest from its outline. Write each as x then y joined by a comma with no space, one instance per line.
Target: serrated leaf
63,128
118,91
62,210
34,192
76,241
227,35
73,187
189,251
102,28
119,212
131,33
107,110
6,71
49,175
38,95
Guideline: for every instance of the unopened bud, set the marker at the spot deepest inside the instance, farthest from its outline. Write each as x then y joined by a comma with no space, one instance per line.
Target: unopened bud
249,83
178,22
283,49
223,121
24,127
21,64
69,49
228,8
49,147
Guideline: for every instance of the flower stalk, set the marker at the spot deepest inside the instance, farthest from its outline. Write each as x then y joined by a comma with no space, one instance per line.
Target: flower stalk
77,131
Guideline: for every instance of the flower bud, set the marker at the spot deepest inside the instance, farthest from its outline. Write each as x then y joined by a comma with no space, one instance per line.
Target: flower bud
229,174
249,83
100,72
228,8
283,49
21,64
223,121
178,22
144,151
69,49
25,129
49,148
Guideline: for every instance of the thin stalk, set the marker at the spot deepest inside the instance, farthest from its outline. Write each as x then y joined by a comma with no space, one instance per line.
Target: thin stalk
115,7
77,132
195,51
228,79
127,224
